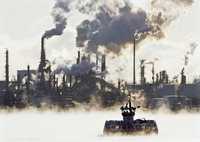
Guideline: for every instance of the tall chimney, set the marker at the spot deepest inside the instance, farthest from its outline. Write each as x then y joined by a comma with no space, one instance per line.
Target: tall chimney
70,81
28,80
54,81
7,70
79,57
142,73
183,77
119,84
134,46
103,63
42,63
97,61
153,73
50,77
64,81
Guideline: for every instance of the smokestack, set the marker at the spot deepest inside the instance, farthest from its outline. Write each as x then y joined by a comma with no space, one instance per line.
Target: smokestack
134,45
42,63
50,78
103,64
153,73
142,67
28,80
79,57
97,61
64,81
54,81
119,84
43,54
7,70
183,77
70,81
157,78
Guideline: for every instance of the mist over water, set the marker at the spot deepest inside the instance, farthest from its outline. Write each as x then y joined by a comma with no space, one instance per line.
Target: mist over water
88,127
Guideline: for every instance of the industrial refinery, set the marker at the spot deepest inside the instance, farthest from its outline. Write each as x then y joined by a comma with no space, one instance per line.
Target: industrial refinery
41,87
86,81
99,70
113,27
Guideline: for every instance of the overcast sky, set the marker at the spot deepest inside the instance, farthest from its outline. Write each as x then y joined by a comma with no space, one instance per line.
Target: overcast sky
22,23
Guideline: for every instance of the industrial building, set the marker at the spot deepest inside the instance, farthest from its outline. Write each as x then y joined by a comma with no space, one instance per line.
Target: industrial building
162,90
85,81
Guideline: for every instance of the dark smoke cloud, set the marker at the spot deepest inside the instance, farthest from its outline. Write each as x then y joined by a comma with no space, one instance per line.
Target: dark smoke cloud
81,69
60,9
60,25
115,21
115,29
63,4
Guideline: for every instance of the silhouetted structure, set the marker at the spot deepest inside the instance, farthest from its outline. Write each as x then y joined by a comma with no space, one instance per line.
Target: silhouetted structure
42,64
128,125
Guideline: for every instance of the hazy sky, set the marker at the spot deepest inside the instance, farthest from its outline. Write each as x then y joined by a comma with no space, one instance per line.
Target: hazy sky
23,22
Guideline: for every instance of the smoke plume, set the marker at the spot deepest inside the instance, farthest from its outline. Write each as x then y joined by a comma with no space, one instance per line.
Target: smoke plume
84,67
113,29
60,9
115,22
115,25
190,52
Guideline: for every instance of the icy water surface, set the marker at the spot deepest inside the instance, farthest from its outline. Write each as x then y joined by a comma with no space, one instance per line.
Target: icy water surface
88,126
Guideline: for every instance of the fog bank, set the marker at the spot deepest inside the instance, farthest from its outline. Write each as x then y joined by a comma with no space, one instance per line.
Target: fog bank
88,127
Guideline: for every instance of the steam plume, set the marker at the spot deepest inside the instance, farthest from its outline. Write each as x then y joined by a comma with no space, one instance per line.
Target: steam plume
83,68
191,52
